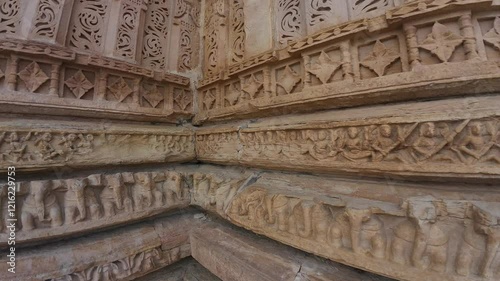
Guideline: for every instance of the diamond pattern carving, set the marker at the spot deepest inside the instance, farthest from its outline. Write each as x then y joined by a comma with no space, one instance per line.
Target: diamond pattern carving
493,35
79,84
289,79
153,96
182,99
252,86
324,67
442,42
120,89
33,76
380,58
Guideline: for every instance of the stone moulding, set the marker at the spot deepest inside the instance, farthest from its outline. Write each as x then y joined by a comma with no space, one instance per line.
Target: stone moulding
409,53
36,144
122,254
456,138
385,227
46,76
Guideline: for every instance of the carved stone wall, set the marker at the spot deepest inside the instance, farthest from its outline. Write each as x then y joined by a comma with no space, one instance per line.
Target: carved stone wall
363,134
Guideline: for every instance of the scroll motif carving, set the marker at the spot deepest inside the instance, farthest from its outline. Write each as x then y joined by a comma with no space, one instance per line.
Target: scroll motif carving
87,31
154,52
47,18
126,39
362,7
237,31
319,11
9,16
290,20
215,19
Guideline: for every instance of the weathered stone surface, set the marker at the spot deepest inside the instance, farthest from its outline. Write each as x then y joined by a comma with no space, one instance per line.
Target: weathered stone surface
121,254
417,199
187,269
233,255
46,144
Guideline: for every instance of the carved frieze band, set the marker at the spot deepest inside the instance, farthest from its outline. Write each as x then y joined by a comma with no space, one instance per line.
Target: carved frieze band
341,66
449,146
51,144
400,234
54,208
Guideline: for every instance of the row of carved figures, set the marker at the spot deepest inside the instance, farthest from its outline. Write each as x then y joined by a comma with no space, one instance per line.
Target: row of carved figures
466,142
93,197
43,146
417,233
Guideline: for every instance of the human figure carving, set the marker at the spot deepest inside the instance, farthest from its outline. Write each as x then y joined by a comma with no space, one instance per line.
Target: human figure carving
17,149
86,144
354,147
37,203
45,148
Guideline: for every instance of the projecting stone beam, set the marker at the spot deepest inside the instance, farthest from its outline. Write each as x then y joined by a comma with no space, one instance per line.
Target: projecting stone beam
456,138
234,255
185,270
47,144
400,230
121,254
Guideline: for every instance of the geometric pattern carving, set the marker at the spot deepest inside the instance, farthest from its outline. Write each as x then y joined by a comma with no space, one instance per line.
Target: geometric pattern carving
79,84
120,89
33,76
324,67
493,35
380,58
441,41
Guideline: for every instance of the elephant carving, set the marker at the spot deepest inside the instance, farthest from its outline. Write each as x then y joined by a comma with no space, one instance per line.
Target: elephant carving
281,211
420,239
37,203
481,243
77,199
114,197
145,193
202,184
362,228
251,204
173,188
316,220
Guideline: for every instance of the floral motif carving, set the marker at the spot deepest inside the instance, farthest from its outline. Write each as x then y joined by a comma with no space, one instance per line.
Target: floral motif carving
79,84
324,68
380,58
87,31
442,42
33,76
